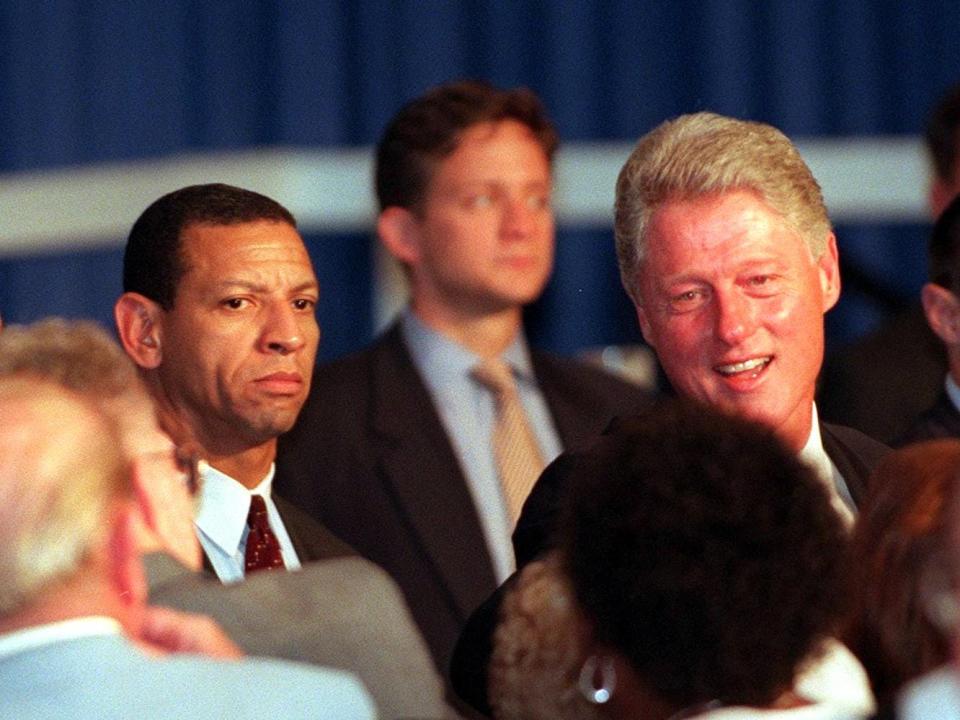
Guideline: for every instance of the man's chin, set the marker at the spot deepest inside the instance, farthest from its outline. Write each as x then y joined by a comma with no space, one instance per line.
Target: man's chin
263,428
747,408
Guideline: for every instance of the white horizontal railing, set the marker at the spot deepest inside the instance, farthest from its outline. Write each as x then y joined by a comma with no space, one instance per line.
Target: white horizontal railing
864,179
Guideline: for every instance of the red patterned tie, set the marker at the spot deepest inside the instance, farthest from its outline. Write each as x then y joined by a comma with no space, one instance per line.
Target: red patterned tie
263,548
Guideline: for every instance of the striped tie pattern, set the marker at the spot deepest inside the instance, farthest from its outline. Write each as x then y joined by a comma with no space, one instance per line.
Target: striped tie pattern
518,458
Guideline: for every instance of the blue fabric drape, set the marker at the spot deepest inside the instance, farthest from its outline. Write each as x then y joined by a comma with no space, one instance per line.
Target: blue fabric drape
87,81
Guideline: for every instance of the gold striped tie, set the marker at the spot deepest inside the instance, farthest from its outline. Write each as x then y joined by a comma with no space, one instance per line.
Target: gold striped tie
515,448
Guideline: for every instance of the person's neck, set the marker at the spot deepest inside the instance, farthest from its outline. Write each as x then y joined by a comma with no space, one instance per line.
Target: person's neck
248,467
795,433
67,601
484,334
228,453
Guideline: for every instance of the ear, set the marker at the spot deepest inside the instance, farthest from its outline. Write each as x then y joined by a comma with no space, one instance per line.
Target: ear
938,197
399,231
166,509
126,569
139,325
828,265
942,309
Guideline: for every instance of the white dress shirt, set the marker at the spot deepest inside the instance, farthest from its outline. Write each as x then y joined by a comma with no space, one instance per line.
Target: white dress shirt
221,522
814,455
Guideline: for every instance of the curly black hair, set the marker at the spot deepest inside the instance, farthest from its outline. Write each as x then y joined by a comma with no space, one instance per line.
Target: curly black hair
704,552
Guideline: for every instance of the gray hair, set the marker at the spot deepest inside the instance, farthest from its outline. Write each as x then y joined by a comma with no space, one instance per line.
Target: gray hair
706,154
60,468
60,473
80,356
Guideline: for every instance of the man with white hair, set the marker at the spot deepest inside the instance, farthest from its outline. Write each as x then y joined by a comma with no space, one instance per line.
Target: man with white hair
73,607
726,250
344,613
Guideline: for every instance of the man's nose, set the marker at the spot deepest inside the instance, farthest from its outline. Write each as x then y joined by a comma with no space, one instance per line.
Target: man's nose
283,330
736,317
519,216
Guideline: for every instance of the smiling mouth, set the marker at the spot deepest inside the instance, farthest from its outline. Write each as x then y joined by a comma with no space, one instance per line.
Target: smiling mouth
751,368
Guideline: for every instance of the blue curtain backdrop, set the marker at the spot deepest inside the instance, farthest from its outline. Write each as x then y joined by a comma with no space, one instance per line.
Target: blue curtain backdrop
88,81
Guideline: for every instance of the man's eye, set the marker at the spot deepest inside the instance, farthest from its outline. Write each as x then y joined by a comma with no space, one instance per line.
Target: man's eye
538,202
303,304
234,303
480,201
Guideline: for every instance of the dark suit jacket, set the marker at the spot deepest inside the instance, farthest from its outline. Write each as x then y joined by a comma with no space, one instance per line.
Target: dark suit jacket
310,539
881,383
370,459
854,454
940,421
343,613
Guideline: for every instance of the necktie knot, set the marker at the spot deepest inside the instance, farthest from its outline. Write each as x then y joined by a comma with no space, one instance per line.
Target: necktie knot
263,549
496,375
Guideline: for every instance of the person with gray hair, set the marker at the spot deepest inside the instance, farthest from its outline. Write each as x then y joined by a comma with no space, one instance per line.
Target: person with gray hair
73,597
344,613
727,252
726,249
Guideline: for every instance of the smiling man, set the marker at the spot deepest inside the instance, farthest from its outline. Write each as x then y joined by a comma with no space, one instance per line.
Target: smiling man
218,313
726,249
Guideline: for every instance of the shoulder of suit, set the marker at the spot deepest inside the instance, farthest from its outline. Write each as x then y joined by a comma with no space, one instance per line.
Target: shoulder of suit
857,443
551,367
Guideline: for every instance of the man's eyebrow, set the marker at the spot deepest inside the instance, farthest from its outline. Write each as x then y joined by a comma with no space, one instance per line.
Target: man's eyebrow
233,283
307,285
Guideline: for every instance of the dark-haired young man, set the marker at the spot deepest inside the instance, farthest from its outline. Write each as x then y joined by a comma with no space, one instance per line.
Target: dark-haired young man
218,313
402,449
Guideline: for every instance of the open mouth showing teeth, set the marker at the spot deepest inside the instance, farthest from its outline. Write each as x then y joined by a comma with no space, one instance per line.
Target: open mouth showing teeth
754,366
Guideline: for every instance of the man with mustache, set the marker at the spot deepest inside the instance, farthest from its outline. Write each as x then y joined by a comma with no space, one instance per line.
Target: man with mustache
218,313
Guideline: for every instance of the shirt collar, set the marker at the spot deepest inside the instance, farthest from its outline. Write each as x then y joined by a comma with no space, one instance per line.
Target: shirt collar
447,359
225,504
816,457
41,635
953,390
813,453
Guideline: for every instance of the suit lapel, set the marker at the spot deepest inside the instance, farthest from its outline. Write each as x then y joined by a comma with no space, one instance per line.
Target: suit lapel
578,416
416,461
854,471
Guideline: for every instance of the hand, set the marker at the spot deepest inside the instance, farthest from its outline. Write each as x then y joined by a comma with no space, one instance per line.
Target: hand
171,631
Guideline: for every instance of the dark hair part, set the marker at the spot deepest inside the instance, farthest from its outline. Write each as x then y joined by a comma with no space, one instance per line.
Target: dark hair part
705,553
901,536
943,252
942,134
153,261
428,129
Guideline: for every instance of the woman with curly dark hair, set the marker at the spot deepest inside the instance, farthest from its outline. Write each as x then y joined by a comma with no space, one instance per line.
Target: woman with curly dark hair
901,539
700,571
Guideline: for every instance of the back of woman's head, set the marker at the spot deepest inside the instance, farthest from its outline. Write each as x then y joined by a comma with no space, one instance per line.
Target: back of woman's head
705,553
900,540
